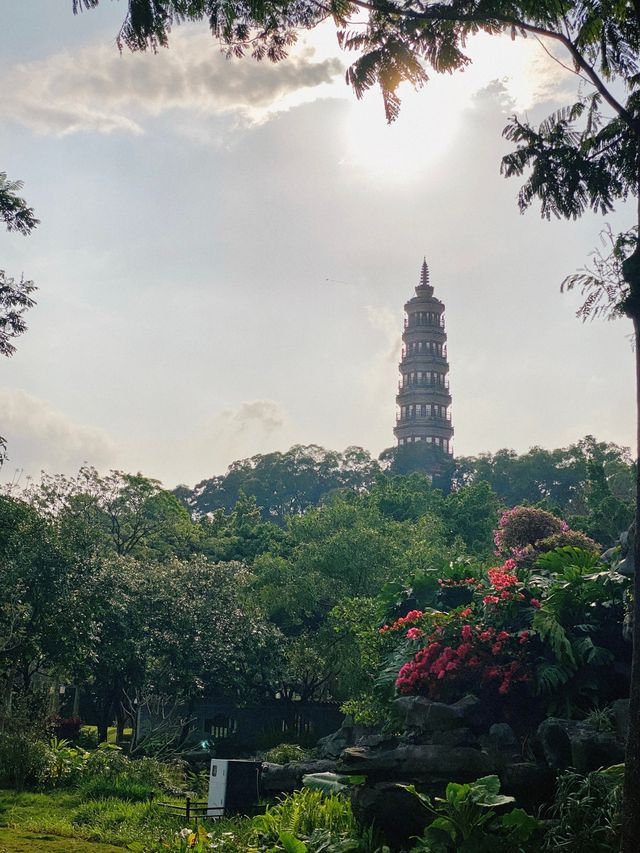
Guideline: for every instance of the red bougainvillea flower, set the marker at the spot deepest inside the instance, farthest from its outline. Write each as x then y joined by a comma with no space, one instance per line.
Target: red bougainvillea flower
534,602
491,599
415,633
500,579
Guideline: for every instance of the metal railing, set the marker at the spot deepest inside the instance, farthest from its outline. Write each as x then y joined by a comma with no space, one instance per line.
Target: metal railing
192,810
438,386
425,419
418,324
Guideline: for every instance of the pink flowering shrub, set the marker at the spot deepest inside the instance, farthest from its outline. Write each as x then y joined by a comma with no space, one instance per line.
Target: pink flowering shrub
522,526
525,532
483,648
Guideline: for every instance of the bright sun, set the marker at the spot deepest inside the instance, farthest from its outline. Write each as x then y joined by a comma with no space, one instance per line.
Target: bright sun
431,118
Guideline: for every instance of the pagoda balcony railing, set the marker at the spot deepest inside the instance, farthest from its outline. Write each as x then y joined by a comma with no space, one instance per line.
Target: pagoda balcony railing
423,419
437,356
420,324
437,386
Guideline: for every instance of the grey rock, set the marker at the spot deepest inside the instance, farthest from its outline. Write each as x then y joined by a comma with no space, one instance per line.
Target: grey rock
503,736
419,714
281,778
454,737
376,740
530,783
429,762
332,745
398,814
502,745
567,743
347,735
621,714
554,736
592,750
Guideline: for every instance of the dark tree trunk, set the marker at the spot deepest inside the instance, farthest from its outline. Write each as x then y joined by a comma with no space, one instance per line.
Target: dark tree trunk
120,721
103,731
631,790
105,720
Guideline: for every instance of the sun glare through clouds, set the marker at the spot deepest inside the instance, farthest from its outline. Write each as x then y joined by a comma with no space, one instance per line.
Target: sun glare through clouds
431,117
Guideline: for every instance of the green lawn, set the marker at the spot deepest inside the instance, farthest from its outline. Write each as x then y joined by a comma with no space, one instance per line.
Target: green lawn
20,841
64,822
61,821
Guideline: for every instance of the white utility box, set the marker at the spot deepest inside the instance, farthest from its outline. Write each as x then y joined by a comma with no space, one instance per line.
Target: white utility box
234,786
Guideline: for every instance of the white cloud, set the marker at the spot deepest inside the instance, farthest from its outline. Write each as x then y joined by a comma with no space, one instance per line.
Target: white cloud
265,416
254,426
100,90
40,437
383,370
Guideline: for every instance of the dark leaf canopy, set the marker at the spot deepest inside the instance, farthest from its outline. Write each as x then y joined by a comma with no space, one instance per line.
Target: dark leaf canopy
601,36
576,162
15,299
14,211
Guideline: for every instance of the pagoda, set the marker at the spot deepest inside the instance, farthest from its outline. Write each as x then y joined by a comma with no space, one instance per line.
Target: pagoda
423,392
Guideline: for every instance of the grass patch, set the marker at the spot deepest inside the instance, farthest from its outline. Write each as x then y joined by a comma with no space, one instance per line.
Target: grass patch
67,815
66,822
20,841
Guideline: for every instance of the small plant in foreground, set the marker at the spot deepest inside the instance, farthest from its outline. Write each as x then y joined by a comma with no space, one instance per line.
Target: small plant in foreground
466,820
601,719
586,812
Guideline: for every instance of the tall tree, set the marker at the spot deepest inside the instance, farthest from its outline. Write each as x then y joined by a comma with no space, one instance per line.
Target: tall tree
586,156
115,513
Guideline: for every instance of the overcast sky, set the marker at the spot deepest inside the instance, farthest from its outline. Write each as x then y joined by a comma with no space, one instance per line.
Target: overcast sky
226,248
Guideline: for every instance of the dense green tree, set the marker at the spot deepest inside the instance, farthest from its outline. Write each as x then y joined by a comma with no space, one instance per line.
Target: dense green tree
15,296
591,483
15,299
283,484
405,498
206,633
471,513
238,535
116,513
420,457
346,550
46,620
118,661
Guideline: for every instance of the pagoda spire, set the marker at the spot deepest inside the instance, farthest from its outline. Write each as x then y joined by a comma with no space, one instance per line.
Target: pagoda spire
424,273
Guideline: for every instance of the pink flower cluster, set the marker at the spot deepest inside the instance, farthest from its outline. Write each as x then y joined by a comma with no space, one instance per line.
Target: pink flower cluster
471,659
503,583
412,616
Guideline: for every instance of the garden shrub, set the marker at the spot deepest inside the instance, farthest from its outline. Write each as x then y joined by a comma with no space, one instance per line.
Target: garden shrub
525,532
525,525
303,813
67,728
283,753
521,636
586,812
24,760
110,762
88,738
484,648
467,819
571,538
65,763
